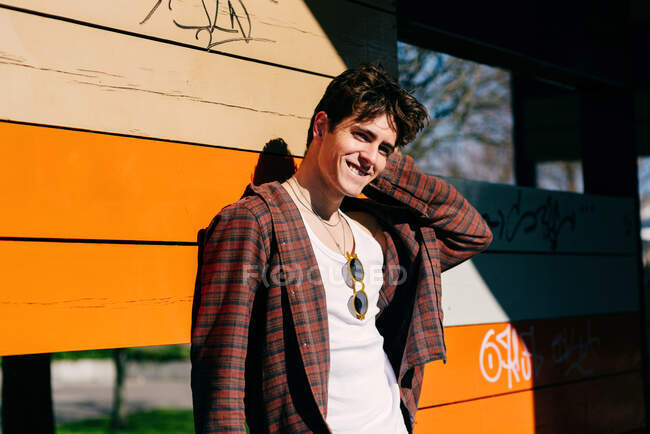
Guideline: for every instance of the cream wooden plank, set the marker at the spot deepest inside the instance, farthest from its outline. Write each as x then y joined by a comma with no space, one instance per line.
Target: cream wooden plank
316,35
59,73
494,288
535,220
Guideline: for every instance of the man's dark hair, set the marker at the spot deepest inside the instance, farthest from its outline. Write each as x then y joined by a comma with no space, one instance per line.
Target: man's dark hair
368,91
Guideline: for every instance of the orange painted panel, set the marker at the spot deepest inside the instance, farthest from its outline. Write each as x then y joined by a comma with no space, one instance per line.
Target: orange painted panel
72,184
74,296
490,359
609,404
512,413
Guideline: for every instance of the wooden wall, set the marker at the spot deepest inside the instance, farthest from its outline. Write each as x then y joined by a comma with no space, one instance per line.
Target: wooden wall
123,132
543,330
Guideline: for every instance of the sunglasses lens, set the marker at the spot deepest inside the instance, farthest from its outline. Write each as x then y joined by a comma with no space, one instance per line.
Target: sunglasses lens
356,269
361,302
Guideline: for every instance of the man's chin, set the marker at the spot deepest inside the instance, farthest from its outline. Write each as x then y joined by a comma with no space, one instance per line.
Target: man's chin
354,192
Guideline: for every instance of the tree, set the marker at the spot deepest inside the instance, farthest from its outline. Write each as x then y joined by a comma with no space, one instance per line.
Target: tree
118,414
470,133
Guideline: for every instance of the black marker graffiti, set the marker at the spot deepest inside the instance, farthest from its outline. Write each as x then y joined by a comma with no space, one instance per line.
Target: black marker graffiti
237,22
573,349
546,217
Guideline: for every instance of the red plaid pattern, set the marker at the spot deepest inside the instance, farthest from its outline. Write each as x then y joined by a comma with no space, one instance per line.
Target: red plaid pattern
260,343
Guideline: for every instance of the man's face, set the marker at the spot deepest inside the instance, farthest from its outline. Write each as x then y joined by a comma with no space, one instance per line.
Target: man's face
354,153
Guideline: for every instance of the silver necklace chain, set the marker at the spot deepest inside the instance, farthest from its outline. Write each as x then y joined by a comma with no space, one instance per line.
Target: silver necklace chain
310,207
322,220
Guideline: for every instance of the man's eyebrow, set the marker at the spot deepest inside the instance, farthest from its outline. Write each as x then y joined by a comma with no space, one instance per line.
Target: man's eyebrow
374,136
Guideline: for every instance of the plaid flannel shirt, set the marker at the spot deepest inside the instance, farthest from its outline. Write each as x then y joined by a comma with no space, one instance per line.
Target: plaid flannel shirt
260,343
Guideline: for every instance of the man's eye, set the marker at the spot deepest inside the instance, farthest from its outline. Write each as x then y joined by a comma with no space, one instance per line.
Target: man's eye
361,136
385,150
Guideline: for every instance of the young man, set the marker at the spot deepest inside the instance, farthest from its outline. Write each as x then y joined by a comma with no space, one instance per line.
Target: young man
315,310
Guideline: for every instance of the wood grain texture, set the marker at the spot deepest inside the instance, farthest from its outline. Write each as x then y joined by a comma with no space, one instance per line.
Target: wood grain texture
512,287
73,184
322,36
75,296
492,359
604,405
534,220
87,78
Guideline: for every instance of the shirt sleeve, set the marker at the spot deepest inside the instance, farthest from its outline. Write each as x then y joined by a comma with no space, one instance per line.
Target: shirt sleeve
460,229
230,271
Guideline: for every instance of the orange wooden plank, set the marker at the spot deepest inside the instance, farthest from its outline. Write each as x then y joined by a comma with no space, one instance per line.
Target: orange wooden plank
609,404
73,184
74,296
512,413
546,352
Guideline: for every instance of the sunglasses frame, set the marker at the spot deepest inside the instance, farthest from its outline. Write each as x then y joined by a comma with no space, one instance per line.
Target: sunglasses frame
350,257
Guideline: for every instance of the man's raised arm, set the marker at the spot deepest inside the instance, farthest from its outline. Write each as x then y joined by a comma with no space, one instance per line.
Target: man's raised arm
460,229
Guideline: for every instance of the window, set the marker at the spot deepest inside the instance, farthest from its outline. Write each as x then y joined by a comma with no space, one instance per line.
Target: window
470,133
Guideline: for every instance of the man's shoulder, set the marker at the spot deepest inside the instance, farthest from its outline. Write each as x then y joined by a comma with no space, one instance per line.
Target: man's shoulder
249,210
254,204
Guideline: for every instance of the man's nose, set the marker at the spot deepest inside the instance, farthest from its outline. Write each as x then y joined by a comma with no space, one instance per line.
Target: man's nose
368,157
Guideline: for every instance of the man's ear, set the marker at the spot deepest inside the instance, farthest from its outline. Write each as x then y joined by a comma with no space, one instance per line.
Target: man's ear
320,125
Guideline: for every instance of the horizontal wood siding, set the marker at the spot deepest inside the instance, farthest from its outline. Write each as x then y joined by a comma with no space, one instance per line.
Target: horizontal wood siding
74,184
511,287
88,78
75,296
123,135
299,34
533,220
493,359
605,405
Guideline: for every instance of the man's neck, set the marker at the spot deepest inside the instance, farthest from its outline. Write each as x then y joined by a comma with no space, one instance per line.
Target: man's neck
322,199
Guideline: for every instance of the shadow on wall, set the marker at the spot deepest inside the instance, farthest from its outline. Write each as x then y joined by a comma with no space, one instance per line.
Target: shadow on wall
275,163
359,32
568,352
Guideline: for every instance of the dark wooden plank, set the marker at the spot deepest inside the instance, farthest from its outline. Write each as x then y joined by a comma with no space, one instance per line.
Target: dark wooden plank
511,287
533,220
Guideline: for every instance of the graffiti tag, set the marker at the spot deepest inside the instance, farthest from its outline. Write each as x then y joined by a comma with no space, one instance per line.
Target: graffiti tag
516,354
571,349
507,351
546,217
232,21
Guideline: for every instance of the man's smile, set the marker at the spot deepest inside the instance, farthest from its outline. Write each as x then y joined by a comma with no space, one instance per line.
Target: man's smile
356,169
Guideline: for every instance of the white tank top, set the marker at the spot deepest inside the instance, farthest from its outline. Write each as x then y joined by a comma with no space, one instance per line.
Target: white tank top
363,395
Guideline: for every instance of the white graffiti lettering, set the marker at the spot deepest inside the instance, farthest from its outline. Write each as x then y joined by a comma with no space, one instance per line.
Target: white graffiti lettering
520,360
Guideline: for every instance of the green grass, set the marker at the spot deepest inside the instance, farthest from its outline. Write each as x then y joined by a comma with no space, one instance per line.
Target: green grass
149,422
146,422
162,353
